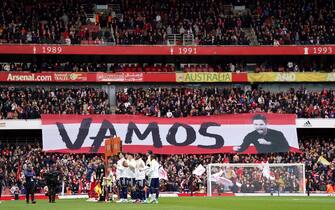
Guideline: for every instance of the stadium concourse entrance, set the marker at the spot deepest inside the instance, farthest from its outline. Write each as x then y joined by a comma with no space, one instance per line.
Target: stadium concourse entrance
20,137
24,137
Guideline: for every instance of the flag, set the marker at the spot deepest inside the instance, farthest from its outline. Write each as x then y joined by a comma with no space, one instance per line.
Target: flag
80,187
18,173
266,170
162,174
199,170
238,184
324,161
265,167
221,180
98,189
92,193
225,181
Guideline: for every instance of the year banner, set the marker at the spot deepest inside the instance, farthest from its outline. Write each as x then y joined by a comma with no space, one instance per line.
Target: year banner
230,133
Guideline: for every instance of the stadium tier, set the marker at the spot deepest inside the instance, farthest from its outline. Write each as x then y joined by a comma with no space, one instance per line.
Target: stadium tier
164,22
118,100
167,102
292,65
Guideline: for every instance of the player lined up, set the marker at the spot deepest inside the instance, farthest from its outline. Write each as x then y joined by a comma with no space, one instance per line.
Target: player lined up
137,178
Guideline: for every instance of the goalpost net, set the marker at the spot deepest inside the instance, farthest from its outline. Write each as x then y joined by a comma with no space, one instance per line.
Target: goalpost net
255,178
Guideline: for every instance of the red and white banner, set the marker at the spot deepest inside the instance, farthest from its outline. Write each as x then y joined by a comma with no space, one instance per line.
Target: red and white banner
231,133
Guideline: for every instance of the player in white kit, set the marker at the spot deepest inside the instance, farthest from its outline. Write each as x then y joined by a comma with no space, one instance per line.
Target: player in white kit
131,176
140,178
122,167
153,174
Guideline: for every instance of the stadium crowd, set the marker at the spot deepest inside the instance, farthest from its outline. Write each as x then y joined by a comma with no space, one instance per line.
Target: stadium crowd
153,22
319,174
30,103
266,66
182,102
43,21
294,22
269,66
209,22
75,168
78,168
85,67
140,22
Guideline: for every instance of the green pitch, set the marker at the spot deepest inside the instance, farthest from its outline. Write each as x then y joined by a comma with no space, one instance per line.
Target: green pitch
187,203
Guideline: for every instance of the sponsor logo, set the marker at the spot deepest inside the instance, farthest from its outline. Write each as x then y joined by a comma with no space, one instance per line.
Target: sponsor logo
120,77
180,77
70,77
204,77
330,77
28,77
286,77
110,77
307,124
133,77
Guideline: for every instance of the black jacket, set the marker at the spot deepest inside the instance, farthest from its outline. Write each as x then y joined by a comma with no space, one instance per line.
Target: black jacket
277,139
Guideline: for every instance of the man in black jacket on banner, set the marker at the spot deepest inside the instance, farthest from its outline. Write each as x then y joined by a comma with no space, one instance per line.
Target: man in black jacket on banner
263,138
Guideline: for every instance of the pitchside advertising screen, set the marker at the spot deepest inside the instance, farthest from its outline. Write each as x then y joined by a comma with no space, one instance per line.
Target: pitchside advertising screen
231,133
